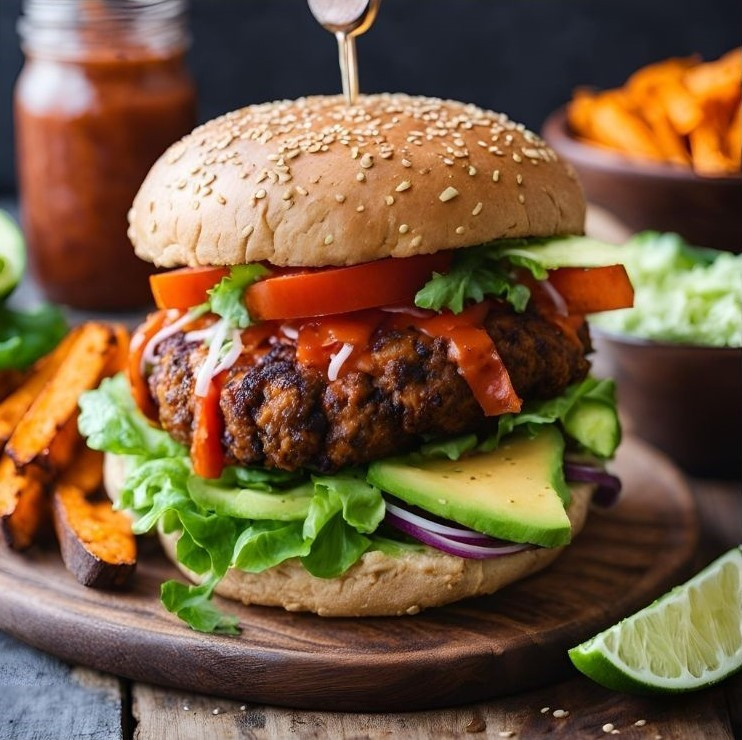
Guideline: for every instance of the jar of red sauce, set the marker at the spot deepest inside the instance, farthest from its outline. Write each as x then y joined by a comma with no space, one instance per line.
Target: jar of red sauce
103,92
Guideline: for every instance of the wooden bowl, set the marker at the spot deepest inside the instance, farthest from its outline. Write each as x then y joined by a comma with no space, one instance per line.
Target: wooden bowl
706,211
684,399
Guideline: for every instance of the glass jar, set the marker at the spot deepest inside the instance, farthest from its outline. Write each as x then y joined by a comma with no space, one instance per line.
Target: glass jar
103,92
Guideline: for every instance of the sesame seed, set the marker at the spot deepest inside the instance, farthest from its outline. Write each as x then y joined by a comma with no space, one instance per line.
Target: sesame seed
206,191
286,195
448,194
460,229
403,228
210,179
608,727
521,198
519,179
560,713
447,161
301,190
477,209
544,710
360,209
505,733
389,199
640,723
181,184
472,170
404,185
329,239
247,231
260,194
367,161
406,163
496,176
517,157
222,200
196,205
416,241
354,152
361,177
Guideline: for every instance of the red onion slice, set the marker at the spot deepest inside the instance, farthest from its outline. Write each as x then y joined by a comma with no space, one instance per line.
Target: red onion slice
454,533
608,489
479,551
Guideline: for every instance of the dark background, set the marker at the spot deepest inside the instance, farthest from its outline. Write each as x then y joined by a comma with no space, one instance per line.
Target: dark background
520,56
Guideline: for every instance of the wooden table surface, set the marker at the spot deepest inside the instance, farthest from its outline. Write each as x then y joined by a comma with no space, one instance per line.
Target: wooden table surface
41,697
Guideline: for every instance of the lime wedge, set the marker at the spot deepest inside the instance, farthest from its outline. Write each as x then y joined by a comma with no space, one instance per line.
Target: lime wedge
687,639
12,255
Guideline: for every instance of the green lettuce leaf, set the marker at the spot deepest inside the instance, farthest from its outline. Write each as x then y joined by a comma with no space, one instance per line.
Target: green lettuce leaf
193,605
27,336
111,422
488,269
472,278
227,299
453,449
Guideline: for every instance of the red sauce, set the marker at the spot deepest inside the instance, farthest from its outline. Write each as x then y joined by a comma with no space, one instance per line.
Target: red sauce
88,129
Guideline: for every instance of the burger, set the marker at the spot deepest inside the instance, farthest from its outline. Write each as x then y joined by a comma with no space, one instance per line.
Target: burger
365,391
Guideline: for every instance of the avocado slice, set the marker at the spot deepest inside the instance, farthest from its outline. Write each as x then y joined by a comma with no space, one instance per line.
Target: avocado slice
594,425
288,505
516,492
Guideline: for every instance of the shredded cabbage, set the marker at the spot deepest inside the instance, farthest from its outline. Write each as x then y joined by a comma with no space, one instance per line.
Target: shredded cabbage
683,294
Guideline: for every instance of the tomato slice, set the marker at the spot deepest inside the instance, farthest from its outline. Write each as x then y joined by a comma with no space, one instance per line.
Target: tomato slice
329,291
207,453
137,381
593,289
185,288
472,349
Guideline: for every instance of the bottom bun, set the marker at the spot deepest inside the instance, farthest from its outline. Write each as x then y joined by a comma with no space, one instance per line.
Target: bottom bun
378,584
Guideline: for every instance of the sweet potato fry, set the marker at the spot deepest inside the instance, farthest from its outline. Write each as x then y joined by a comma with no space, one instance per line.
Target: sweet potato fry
17,403
682,109
120,356
97,543
24,507
733,140
615,125
84,365
670,143
643,83
716,81
707,151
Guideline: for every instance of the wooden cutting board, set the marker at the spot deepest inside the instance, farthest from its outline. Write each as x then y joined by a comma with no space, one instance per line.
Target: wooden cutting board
477,649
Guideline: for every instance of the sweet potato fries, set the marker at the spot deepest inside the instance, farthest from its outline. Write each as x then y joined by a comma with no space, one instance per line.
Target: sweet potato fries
46,473
681,111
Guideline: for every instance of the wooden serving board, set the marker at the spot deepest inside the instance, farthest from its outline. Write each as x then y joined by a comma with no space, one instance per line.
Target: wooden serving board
473,650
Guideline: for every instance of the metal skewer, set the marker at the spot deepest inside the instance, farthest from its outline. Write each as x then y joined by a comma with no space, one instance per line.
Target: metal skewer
346,19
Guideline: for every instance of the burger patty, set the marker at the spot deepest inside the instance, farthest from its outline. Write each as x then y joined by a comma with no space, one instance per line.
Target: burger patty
281,414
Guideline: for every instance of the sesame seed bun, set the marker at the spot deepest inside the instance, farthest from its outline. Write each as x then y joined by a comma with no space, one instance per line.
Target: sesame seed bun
378,584
314,183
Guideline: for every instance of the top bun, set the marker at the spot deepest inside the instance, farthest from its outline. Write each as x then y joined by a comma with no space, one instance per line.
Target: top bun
315,182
